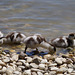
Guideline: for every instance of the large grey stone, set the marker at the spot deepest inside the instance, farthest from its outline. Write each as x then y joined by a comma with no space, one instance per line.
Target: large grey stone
41,66
39,73
27,72
33,65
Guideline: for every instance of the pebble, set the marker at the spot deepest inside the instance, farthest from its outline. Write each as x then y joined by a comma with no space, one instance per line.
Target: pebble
27,72
22,61
29,59
63,65
36,60
63,69
2,63
6,60
70,65
15,57
46,74
0,67
48,56
33,65
19,69
58,60
41,66
34,73
70,70
37,70
60,74
3,70
22,55
68,61
17,73
22,67
52,73
19,63
54,68
27,65
39,73
9,71
53,64
44,61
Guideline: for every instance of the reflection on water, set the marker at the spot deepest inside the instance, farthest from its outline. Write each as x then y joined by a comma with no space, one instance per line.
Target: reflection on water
51,18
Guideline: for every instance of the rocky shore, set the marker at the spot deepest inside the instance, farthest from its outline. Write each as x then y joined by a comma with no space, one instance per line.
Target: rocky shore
22,64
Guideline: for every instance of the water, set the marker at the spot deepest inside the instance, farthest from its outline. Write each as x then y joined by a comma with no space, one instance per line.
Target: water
51,18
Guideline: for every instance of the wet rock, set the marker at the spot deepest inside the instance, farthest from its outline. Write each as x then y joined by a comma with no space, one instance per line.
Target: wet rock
6,60
64,65
19,69
41,66
74,59
3,53
44,61
39,58
27,72
22,55
70,65
68,61
4,73
17,73
14,57
3,70
36,70
23,61
19,63
29,59
65,55
72,74
33,65
48,56
60,74
12,65
74,67
7,55
63,60
52,73
39,73
34,73
54,68
9,71
70,70
58,60
62,69
27,65
2,63
22,67
46,73
53,64
36,60
0,67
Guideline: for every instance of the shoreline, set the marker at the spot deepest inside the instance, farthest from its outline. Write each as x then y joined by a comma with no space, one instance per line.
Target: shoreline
22,64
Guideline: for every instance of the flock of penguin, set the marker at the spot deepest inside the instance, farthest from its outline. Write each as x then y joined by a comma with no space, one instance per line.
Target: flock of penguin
37,40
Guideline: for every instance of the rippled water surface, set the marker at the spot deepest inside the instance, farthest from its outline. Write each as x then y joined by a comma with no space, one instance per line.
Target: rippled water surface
51,18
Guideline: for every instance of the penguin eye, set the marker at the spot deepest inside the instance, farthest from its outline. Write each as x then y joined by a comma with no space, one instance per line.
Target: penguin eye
72,35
